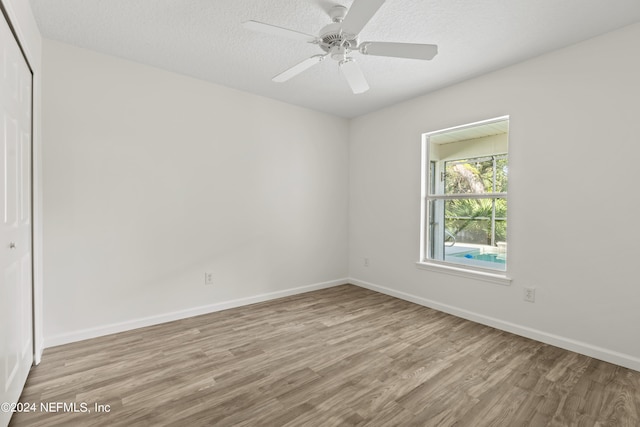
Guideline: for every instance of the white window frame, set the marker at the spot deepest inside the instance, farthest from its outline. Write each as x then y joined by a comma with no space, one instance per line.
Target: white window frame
479,273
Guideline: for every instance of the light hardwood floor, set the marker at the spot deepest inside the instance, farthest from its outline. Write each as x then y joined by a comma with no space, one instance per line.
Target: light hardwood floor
336,357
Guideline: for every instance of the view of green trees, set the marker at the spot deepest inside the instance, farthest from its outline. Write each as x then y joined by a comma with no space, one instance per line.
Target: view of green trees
470,220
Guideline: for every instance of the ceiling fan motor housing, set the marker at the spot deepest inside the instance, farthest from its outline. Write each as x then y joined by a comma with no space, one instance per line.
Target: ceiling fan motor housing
331,36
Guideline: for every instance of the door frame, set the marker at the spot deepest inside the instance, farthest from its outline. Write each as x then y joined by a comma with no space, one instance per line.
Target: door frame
35,340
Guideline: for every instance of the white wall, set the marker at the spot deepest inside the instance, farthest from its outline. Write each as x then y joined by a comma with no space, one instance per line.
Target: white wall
153,178
24,23
573,197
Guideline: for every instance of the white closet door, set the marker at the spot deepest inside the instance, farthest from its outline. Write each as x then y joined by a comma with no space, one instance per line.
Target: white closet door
16,353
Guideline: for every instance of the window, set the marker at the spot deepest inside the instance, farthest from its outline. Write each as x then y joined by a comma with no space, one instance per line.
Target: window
464,202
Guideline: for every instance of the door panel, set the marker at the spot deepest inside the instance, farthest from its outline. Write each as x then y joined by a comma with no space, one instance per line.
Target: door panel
25,179
11,345
16,326
10,170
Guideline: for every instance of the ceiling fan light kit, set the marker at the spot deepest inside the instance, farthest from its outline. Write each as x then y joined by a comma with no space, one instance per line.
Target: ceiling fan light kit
340,38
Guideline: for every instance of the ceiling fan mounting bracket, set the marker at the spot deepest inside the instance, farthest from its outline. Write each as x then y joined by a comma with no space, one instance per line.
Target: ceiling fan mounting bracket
337,13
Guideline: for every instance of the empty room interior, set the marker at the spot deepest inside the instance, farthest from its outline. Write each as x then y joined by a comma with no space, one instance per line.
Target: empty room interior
317,213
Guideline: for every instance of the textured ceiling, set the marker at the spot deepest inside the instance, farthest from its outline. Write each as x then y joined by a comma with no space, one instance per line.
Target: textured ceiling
205,39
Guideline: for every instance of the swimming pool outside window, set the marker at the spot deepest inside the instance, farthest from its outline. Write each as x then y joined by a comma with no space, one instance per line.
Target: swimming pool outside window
464,202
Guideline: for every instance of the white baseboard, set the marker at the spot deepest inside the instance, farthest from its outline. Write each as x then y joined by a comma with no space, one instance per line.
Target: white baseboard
113,328
586,349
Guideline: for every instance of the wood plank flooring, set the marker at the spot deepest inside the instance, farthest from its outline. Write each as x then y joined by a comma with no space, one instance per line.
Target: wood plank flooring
343,356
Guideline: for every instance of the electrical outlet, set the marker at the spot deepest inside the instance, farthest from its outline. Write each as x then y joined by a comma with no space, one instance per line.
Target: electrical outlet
366,262
208,278
529,294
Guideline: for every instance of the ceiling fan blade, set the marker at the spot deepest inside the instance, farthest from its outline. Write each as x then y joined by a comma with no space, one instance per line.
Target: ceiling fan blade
352,72
399,50
298,68
359,14
278,31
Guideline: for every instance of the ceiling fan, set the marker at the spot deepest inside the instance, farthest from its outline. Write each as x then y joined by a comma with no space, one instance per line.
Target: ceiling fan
340,39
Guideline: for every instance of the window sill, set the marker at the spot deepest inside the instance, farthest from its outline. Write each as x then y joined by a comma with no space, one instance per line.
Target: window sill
498,278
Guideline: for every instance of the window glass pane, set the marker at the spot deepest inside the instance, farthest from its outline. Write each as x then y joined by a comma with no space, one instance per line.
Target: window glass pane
501,221
432,177
494,258
469,220
469,176
480,237
502,172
